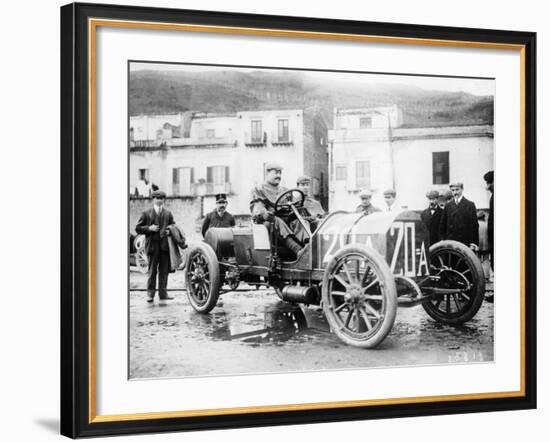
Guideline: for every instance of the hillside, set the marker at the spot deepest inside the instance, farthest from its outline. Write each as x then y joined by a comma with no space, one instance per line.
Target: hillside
157,92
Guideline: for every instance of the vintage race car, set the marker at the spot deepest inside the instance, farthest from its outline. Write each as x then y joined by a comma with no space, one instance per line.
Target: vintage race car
359,268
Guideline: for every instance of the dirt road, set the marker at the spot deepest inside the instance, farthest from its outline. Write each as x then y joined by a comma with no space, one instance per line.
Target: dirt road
252,331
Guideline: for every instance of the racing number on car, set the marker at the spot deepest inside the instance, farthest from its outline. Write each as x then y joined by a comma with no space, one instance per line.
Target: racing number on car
337,240
405,248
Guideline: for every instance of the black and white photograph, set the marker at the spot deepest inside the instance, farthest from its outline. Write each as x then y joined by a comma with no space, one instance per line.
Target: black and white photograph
285,220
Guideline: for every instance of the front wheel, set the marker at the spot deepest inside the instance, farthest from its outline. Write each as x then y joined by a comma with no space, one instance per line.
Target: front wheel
460,273
203,278
359,296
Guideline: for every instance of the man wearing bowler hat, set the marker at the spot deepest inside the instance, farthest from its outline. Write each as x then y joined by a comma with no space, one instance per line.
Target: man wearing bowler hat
153,223
431,216
459,219
219,217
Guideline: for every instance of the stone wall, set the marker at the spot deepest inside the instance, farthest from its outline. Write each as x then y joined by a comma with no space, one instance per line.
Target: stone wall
186,211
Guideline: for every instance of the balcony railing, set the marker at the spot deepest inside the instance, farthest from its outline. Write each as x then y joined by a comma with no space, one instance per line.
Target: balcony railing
183,190
266,139
198,189
215,188
254,141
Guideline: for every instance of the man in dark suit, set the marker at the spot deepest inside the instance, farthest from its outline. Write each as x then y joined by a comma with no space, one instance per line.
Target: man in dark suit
459,219
431,216
153,223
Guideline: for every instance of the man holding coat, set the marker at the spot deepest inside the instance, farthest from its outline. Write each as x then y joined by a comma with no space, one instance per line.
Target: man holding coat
154,223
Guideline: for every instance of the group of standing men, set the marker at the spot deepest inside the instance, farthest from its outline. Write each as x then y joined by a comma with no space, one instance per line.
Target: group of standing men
455,217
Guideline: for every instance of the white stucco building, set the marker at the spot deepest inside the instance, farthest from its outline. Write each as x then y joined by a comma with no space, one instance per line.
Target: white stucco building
370,148
205,154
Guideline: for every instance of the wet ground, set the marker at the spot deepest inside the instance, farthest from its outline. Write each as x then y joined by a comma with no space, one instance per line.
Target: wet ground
252,331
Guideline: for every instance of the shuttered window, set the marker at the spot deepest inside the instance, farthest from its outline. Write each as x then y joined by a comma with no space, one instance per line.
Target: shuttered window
217,174
365,122
341,172
362,174
182,180
440,167
256,131
282,131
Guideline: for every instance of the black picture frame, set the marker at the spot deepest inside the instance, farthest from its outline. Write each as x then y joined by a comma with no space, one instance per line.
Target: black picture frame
76,404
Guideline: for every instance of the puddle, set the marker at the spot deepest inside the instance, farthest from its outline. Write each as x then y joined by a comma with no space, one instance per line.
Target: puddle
253,322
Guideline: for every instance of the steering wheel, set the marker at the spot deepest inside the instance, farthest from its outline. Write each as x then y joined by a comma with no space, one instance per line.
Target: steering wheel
292,197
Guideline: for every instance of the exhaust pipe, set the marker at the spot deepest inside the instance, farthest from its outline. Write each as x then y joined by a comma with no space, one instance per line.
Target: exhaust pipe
300,294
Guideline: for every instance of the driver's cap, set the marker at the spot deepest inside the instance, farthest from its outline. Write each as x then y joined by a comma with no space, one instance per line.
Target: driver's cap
365,192
304,179
273,166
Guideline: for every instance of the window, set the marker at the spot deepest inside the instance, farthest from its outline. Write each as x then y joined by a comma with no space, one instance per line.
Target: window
143,174
341,172
440,165
365,122
217,174
256,135
210,133
282,132
182,179
362,174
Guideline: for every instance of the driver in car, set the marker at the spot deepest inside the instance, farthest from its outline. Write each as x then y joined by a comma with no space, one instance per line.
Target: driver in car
262,206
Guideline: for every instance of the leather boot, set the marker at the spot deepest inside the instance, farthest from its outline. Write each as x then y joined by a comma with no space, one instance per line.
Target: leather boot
293,245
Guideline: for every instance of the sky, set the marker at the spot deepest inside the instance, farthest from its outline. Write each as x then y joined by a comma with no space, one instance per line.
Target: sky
449,84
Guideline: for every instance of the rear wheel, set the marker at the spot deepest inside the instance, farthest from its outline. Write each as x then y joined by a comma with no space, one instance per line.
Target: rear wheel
459,271
359,296
203,278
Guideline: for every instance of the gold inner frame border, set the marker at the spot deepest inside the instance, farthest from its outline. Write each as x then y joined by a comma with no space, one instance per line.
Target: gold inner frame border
93,24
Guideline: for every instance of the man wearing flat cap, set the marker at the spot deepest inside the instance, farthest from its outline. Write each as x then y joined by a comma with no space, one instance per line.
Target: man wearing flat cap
219,217
311,204
154,223
389,198
444,198
431,216
262,205
366,206
459,219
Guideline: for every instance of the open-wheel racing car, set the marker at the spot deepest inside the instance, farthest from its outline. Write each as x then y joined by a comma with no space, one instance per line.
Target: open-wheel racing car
359,268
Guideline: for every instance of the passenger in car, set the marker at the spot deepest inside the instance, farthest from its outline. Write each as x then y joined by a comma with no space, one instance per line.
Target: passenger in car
366,206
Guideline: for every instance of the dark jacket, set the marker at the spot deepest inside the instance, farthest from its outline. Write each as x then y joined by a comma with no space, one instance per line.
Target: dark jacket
176,240
177,235
155,241
432,222
212,219
459,222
